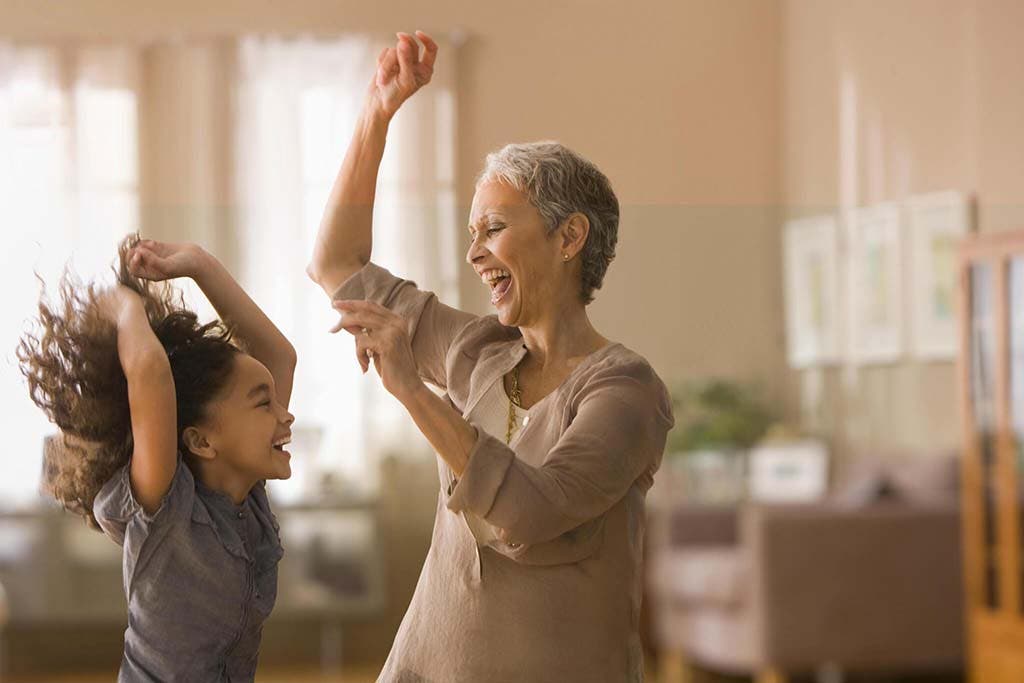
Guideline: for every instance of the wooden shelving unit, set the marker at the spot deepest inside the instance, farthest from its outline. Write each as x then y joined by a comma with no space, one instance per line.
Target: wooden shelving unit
991,370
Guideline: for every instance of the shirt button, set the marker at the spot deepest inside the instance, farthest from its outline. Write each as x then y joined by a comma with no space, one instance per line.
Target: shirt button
241,515
526,420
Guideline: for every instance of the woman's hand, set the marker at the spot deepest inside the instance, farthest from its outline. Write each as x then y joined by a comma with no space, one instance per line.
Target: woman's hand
401,71
154,260
384,337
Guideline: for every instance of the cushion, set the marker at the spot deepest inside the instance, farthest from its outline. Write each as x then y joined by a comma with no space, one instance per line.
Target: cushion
918,479
700,576
926,479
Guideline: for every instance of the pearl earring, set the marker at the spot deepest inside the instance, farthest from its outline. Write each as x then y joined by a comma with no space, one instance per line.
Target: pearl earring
565,257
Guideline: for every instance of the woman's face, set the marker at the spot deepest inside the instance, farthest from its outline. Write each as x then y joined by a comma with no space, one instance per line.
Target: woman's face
514,256
247,421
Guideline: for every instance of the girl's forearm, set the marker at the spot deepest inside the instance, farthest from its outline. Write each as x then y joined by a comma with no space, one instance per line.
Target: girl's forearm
235,307
138,349
151,401
345,239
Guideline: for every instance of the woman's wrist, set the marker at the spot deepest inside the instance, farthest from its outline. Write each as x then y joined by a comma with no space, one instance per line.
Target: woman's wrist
414,395
375,115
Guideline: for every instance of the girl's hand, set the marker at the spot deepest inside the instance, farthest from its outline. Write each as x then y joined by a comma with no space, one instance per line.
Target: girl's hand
384,337
154,260
401,71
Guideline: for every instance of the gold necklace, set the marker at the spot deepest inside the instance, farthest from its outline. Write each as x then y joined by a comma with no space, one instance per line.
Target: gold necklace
515,400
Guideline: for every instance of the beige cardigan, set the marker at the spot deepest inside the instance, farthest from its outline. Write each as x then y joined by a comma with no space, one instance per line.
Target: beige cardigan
562,603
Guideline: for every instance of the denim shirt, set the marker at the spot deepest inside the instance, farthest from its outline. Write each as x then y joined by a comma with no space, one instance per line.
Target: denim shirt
200,575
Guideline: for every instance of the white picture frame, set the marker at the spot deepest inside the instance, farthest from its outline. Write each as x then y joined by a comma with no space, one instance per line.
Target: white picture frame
874,293
937,223
811,272
795,472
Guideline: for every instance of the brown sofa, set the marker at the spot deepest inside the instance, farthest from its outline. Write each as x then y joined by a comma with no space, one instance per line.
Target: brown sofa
867,580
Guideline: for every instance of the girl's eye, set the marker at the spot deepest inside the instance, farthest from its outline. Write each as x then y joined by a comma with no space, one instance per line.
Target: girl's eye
265,403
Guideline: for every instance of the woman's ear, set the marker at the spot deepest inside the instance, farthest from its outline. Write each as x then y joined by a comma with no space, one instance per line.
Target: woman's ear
574,235
197,444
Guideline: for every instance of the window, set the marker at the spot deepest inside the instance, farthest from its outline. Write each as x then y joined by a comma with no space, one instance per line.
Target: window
69,188
299,102
75,128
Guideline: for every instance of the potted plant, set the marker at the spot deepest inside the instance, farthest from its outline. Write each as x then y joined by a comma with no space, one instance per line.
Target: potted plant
717,421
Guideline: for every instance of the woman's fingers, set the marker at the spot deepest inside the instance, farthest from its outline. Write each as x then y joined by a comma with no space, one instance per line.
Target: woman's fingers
368,348
429,49
363,305
377,331
388,66
361,325
355,321
363,354
342,324
408,52
369,313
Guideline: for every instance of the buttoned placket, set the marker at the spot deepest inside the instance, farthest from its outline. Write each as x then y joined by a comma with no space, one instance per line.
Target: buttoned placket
242,520
250,549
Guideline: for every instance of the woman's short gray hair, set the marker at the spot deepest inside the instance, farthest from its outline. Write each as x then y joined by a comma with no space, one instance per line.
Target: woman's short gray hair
559,182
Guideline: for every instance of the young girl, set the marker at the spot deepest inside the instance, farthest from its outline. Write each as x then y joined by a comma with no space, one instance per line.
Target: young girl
168,430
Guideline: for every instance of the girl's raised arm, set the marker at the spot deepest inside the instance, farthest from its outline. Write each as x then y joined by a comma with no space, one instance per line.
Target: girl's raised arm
151,397
154,260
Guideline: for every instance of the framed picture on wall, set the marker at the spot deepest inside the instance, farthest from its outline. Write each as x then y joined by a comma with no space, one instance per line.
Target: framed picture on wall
937,223
874,250
811,268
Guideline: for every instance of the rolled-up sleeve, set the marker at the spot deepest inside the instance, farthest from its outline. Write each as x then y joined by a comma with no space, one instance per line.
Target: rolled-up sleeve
616,436
433,326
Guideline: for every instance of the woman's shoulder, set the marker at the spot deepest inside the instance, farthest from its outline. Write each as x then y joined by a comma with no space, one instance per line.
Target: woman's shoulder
615,359
617,368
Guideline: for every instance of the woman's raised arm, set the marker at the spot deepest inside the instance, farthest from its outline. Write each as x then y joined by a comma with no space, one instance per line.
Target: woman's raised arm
344,242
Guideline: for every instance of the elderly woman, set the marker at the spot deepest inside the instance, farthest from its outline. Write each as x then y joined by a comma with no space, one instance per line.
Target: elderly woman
549,435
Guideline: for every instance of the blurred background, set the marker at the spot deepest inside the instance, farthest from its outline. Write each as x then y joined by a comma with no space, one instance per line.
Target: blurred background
795,177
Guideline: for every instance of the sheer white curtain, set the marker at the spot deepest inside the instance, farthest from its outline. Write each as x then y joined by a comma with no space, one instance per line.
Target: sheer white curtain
69,191
247,176
296,107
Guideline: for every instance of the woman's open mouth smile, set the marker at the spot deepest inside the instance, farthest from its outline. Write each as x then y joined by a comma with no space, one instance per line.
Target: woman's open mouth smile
499,280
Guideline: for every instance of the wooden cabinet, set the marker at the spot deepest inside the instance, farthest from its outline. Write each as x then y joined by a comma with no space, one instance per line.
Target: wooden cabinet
991,367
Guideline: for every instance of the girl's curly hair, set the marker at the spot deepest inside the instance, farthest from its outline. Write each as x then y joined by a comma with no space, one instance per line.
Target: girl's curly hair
74,375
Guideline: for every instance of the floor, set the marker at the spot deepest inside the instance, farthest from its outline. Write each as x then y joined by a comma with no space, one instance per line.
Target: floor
366,674
347,675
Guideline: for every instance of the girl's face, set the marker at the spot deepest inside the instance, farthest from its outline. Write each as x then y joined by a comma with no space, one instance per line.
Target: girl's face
247,427
513,254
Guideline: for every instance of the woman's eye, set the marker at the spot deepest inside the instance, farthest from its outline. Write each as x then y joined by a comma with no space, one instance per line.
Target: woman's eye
489,232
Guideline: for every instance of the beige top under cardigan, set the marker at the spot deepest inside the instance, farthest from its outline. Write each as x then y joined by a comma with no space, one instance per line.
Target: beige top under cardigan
561,601
492,414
